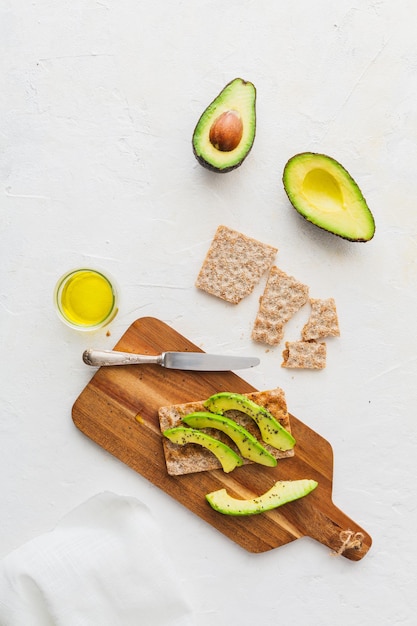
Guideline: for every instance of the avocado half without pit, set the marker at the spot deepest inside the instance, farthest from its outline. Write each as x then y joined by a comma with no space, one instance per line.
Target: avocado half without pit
324,193
225,132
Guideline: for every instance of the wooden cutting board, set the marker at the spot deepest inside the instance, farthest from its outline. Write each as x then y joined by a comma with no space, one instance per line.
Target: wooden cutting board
118,409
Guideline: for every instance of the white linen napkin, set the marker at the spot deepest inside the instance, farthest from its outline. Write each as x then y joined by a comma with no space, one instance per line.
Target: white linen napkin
102,565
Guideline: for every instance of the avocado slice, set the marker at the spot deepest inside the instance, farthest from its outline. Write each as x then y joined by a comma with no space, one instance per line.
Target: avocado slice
249,446
271,430
325,194
282,492
225,132
227,457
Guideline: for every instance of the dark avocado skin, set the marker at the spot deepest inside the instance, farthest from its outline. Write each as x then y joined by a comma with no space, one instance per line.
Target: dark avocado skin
211,167
200,158
331,233
223,170
325,229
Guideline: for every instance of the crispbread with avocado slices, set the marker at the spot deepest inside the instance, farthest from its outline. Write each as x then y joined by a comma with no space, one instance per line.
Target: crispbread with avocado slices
194,458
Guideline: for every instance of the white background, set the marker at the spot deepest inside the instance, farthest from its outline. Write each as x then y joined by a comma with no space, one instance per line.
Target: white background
98,105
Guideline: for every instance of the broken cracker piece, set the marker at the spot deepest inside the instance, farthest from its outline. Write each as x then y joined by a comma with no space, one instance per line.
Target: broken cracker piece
304,355
233,265
323,321
282,298
194,458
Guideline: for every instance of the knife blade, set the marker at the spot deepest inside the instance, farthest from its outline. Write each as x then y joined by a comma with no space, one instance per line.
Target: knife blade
196,361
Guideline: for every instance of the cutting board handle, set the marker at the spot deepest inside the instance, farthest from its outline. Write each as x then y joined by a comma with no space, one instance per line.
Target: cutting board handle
338,532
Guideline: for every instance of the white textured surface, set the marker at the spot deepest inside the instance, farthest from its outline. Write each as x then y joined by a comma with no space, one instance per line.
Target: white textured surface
98,104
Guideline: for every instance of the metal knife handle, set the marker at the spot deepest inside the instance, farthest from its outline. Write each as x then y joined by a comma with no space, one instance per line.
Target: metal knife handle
100,358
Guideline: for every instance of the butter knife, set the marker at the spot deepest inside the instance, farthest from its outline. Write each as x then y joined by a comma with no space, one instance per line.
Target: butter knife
196,361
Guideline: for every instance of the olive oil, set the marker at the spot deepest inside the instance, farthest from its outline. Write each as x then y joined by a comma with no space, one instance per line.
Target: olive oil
86,299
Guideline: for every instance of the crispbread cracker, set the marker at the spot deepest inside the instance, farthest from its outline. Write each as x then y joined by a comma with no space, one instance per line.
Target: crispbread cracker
194,458
282,298
304,355
233,265
323,321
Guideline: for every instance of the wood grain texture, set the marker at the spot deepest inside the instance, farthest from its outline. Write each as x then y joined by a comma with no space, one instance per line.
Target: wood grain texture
107,411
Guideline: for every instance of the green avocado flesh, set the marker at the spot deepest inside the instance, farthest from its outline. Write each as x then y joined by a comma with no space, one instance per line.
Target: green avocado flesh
282,492
271,430
249,447
324,193
227,457
225,132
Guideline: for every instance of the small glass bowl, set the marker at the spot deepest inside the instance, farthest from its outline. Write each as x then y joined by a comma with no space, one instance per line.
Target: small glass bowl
86,299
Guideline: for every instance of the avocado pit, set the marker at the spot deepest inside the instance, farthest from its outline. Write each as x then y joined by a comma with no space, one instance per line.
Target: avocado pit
226,131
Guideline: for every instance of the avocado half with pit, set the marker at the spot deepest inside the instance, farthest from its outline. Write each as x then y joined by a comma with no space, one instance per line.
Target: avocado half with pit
225,132
325,194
